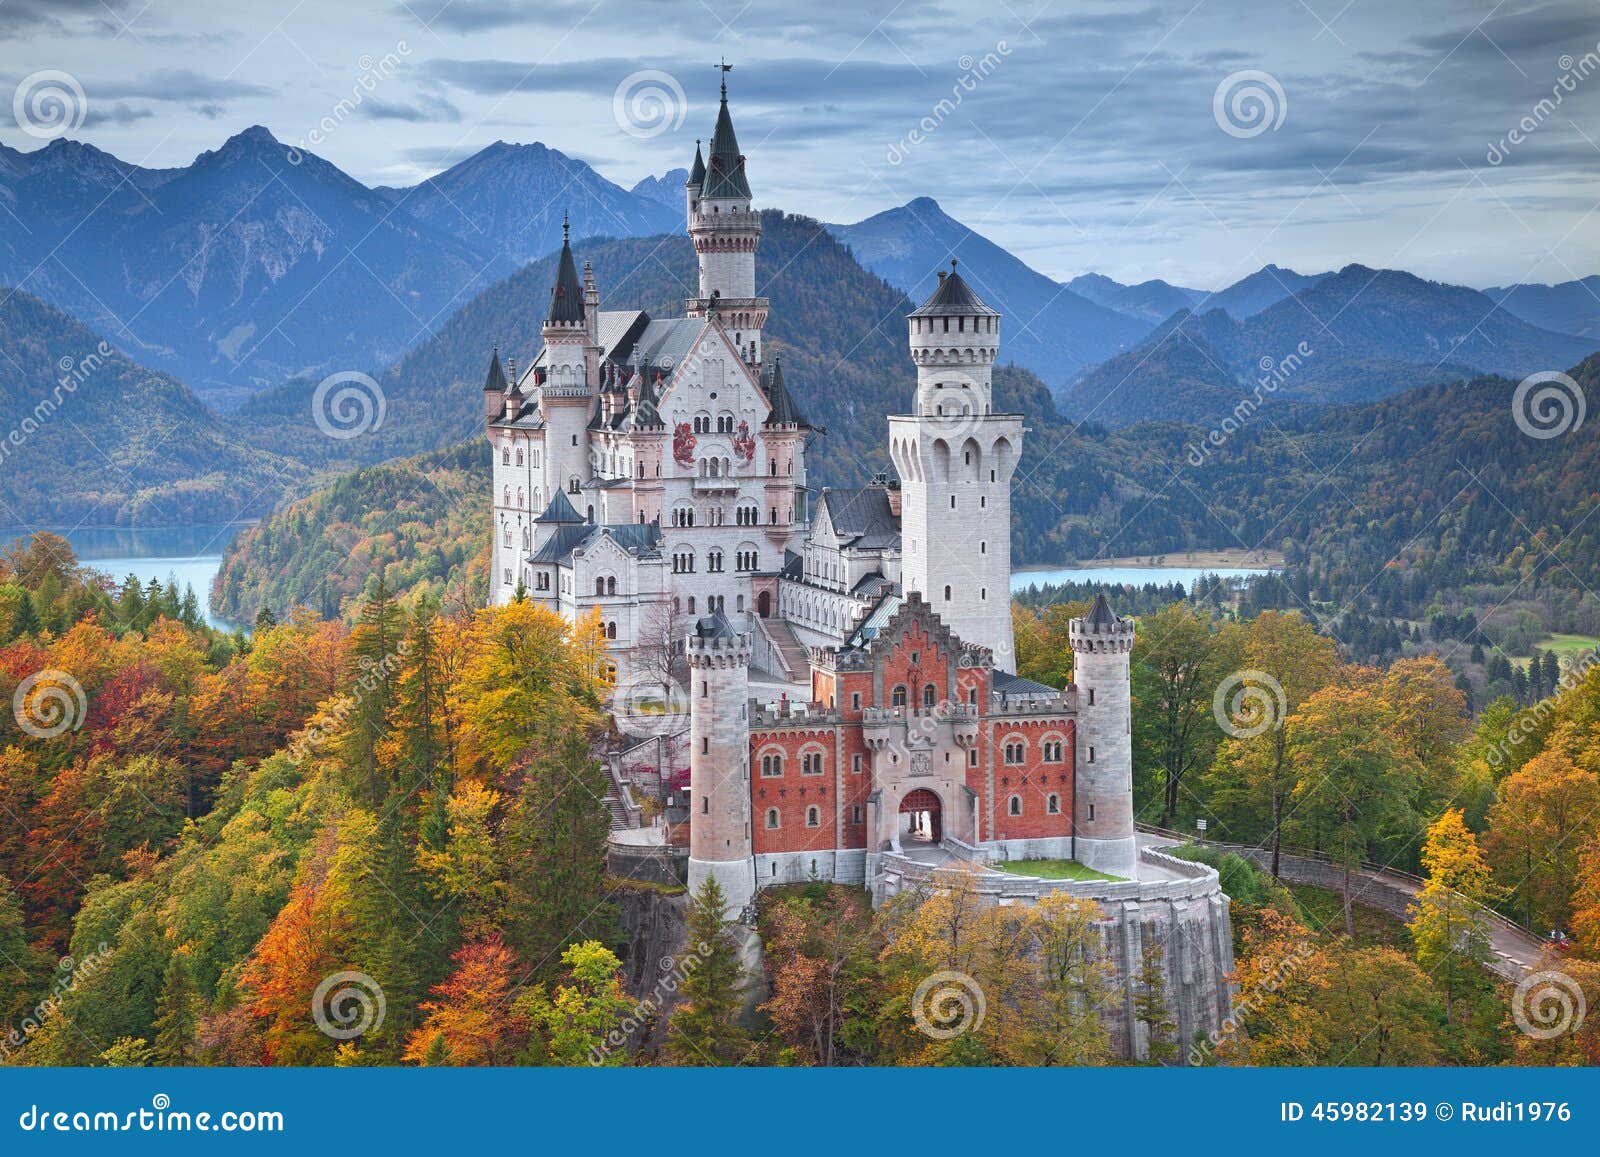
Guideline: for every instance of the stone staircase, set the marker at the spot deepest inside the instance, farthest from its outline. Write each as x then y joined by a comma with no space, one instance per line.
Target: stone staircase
795,655
619,816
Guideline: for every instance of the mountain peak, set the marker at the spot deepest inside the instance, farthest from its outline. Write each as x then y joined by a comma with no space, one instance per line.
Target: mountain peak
924,205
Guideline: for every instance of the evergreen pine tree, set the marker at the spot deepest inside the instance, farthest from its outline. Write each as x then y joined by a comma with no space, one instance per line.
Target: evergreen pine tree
1150,1004
705,1029
176,1013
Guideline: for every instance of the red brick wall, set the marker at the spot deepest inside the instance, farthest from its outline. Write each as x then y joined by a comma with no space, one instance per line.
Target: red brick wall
793,792
1034,780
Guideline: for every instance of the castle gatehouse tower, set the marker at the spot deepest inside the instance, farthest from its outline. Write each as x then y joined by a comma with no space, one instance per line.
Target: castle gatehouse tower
719,760
1101,646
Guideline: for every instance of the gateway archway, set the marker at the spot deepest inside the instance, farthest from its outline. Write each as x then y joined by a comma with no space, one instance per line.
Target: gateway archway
920,818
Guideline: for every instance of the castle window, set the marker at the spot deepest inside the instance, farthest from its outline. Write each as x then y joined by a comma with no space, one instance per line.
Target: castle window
972,757
1052,804
946,594
897,697
1016,752
855,764
930,696
1091,811
983,594
952,502
599,586
691,604
542,581
855,703
1014,805
519,455
983,548
507,579
506,497
1091,697
772,822
972,696
772,765
813,817
505,455
1091,755
611,586
508,538
705,805
705,746
714,561
1052,750
983,503
611,630
855,814
811,763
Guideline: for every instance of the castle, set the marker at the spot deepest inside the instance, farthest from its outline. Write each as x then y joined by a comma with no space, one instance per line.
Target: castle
847,664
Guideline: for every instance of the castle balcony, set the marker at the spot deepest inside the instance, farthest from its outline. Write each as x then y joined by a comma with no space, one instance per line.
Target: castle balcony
726,484
879,725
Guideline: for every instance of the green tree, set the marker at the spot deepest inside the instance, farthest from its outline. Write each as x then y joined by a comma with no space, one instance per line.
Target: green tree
705,1028
572,1025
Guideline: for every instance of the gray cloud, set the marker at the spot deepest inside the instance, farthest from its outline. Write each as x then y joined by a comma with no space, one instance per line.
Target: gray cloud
180,85
424,110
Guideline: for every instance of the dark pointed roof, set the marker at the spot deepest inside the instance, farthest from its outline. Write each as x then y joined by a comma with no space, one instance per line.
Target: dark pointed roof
497,376
784,411
954,297
560,511
697,175
566,297
725,172
1101,614
715,626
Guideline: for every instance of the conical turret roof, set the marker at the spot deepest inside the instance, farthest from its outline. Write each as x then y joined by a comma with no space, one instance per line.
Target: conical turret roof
566,297
697,175
725,172
784,411
953,297
1101,614
497,376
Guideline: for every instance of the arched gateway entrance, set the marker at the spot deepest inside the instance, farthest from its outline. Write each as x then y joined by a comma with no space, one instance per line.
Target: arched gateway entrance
920,822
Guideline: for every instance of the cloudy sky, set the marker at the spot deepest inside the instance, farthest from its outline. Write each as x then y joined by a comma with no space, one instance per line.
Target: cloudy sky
1193,141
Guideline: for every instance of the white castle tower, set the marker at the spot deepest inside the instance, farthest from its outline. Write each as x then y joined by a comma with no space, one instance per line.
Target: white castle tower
955,458
571,361
726,232
1101,644
719,761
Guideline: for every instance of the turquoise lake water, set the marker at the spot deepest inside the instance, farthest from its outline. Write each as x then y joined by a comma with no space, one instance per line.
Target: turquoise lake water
1129,575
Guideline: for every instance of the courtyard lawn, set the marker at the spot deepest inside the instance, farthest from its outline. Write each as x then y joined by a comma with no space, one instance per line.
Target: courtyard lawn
1052,870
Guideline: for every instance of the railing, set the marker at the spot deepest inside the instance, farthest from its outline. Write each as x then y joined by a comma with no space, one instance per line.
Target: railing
1397,875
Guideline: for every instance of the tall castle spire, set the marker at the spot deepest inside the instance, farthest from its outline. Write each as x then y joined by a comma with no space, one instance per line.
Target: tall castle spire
726,232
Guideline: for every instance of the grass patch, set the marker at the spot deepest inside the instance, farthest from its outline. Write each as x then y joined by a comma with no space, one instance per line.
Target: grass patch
1053,870
1568,646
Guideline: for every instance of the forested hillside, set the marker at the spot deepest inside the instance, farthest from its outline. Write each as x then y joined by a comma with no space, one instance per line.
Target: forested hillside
95,439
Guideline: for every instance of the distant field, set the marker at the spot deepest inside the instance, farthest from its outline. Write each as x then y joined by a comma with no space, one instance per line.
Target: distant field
1567,647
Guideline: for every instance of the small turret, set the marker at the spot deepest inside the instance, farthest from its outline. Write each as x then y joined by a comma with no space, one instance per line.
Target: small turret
1102,644
691,187
720,845
494,389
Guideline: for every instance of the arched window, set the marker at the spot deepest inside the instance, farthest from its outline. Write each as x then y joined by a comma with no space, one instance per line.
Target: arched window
611,630
897,697
772,765
1014,806
813,817
599,586
1052,804
772,819
508,537
519,455
930,696
611,586
946,594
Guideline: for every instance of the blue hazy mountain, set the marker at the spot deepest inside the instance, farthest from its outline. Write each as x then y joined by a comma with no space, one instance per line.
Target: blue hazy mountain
1049,329
1151,301
508,200
1370,333
667,189
1569,307
253,264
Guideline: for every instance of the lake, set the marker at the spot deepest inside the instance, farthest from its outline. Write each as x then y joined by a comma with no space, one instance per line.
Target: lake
191,554
1136,576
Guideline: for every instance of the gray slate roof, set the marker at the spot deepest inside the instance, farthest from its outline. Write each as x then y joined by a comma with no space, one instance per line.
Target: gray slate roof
953,298
862,517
